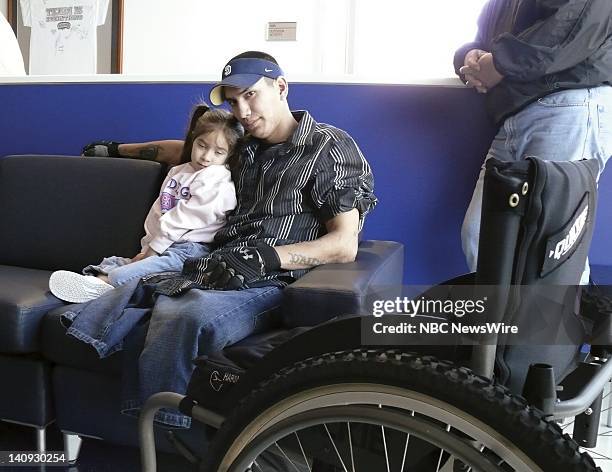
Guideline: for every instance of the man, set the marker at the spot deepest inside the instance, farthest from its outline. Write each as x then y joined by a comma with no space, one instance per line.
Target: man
303,190
546,67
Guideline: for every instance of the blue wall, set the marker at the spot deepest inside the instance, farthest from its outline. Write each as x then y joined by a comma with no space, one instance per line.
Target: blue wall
425,145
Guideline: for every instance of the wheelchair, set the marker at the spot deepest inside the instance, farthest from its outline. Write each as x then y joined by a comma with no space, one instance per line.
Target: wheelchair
320,399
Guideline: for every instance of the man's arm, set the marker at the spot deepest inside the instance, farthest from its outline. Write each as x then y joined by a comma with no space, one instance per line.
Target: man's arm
568,35
480,42
242,266
166,151
343,193
338,245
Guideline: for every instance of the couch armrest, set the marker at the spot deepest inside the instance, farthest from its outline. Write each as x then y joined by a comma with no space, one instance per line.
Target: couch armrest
336,289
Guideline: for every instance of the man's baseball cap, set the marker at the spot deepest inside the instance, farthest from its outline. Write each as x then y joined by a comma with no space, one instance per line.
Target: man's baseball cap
243,73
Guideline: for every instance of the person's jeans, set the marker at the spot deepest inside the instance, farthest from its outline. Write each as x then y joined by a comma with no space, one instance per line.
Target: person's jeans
563,126
106,321
182,328
121,270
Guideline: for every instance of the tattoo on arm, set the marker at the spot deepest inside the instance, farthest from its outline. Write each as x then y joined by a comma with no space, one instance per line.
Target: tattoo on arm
304,260
149,153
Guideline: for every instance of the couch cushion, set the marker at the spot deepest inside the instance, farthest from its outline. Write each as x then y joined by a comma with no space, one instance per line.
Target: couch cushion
24,299
61,348
67,212
25,396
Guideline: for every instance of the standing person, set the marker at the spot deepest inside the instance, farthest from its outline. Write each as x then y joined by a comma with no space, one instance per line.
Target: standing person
190,209
11,60
303,191
546,68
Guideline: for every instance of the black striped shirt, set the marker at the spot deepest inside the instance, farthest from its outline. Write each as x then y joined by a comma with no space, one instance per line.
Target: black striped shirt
286,192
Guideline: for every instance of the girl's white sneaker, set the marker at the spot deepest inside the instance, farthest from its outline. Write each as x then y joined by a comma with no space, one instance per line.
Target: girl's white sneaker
76,288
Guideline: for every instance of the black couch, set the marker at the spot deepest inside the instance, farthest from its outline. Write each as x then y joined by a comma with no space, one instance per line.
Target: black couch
63,212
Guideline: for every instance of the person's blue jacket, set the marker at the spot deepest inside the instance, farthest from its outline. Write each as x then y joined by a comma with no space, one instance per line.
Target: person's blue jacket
541,47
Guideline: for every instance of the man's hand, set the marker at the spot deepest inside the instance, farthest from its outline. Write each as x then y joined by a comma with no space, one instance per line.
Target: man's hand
102,149
471,68
479,71
488,74
233,270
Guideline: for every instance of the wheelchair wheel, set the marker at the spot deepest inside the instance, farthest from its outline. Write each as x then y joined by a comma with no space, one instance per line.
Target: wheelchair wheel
383,410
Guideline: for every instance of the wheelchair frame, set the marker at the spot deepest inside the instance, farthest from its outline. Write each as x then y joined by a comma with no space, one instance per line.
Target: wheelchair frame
481,356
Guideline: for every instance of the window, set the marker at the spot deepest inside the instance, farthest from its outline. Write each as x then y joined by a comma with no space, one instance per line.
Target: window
369,40
411,39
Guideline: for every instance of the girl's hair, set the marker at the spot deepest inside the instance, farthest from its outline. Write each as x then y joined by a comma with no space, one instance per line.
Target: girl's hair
205,120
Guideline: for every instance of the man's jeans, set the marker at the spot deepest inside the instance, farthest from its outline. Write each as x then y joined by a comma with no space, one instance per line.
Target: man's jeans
121,270
564,126
197,323
106,321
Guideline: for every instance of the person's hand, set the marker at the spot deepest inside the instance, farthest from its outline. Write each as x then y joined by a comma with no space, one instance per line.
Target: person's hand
488,75
102,149
471,69
144,254
235,269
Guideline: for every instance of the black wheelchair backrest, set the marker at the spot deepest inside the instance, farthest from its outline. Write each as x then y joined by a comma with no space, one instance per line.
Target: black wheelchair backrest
536,228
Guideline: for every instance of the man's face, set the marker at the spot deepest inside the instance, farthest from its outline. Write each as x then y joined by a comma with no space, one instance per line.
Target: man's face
258,108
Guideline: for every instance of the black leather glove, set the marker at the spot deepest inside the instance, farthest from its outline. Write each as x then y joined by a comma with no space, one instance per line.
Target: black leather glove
233,270
102,149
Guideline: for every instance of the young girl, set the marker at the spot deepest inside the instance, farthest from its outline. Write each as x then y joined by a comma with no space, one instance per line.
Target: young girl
190,209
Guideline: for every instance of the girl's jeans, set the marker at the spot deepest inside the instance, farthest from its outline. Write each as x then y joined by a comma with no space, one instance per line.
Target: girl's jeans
120,270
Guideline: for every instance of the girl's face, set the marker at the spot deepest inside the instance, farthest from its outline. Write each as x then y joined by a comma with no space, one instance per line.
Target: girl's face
209,149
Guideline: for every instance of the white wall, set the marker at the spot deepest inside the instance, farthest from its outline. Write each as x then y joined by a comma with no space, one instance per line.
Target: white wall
3,7
196,36
370,39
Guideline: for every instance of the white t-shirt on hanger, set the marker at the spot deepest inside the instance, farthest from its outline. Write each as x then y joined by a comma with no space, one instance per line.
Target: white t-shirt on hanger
11,60
64,35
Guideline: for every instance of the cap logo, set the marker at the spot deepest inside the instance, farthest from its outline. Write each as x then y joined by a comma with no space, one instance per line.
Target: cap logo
242,73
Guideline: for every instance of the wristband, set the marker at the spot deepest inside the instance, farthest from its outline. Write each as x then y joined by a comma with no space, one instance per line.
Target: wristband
272,262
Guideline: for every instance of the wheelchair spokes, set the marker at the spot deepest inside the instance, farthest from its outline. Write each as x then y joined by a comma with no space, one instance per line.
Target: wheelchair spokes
413,413
365,438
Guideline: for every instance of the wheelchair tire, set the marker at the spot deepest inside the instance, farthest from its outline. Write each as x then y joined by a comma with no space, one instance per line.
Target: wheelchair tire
451,413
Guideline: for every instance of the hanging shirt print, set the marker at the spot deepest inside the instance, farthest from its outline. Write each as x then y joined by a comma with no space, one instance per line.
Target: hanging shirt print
63,35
